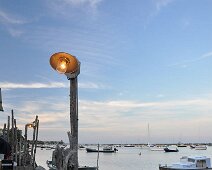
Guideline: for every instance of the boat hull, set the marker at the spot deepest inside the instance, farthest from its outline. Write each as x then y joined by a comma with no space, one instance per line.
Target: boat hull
87,168
171,150
95,150
169,168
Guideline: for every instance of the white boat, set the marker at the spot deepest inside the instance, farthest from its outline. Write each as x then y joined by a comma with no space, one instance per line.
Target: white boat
157,148
189,163
200,147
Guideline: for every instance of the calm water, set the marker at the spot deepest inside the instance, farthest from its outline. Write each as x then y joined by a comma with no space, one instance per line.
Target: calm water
127,158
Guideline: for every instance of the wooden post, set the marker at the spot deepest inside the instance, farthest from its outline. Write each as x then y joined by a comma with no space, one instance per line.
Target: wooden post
12,142
20,149
73,138
4,130
25,145
8,129
98,158
36,139
16,142
33,139
1,107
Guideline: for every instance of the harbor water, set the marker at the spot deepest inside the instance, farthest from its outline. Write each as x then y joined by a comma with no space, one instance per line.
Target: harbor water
127,158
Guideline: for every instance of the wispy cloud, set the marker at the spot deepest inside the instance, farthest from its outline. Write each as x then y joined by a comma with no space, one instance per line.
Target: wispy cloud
61,6
11,23
207,55
7,18
185,63
8,85
88,85
131,117
159,4
156,7
91,3
115,117
94,46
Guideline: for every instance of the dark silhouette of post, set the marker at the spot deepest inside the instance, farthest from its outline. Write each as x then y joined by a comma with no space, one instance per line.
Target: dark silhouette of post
12,128
16,141
36,139
4,130
8,129
25,145
1,107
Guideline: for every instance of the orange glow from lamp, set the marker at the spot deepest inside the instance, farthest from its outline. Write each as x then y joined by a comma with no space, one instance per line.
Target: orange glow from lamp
64,63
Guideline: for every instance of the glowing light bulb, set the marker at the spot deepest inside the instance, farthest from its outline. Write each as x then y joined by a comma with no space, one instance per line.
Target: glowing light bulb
62,65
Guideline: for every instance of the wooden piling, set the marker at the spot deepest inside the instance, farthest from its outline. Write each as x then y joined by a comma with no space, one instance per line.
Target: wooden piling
33,139
12,138
8,129
4,130
20,149
36,140
25,145
15,142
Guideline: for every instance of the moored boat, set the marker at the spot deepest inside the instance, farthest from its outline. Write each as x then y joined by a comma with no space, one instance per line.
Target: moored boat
181,145
189,163
129,145
81,147
105,150
192,146
171,150
200,147
157,148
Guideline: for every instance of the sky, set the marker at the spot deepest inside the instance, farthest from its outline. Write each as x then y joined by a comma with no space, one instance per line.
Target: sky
142,62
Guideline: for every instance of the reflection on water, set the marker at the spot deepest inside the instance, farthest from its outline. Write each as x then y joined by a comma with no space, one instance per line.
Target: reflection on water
127,158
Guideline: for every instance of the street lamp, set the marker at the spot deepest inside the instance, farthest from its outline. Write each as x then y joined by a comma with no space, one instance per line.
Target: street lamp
28,125
67,64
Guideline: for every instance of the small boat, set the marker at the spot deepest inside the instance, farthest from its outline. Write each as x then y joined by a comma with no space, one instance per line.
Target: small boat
200,147
171,150
189,163
87,168
157,148
181,145
129,146
192,146
81,147
105,150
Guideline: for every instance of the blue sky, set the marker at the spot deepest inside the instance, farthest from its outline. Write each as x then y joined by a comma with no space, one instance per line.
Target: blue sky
142,61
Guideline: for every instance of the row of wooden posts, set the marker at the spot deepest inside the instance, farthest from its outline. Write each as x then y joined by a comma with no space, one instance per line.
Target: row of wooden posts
20,152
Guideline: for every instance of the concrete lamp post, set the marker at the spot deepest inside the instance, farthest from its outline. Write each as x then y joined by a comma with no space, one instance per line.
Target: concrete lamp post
67,64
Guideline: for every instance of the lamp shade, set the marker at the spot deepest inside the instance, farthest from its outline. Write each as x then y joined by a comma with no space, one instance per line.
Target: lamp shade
30,125
64,62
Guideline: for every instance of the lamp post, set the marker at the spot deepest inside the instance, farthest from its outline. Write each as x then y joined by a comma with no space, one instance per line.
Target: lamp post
28,125
67,64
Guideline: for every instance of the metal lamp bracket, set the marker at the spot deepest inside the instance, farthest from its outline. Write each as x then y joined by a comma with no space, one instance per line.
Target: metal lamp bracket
73,75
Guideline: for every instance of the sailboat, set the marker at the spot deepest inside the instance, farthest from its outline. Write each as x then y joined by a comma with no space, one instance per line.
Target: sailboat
151,146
